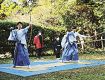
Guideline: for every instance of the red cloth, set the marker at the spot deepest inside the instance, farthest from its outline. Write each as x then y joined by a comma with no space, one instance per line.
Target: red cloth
37,42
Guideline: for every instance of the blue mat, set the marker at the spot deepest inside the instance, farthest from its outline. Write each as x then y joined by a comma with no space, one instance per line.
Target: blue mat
40,67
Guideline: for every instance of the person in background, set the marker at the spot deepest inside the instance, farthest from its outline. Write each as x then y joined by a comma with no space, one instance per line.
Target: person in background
57,45
21,55
82,42
38,42
69,45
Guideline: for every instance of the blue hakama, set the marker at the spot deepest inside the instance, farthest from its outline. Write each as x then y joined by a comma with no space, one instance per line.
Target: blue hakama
21,55
70,52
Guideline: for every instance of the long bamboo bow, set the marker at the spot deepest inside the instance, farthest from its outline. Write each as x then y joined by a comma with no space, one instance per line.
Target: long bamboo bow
30,3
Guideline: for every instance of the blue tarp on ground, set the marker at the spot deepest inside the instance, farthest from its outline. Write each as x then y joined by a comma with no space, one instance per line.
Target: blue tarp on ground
40,67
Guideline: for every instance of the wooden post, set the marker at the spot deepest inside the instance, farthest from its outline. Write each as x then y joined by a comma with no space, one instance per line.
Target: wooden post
95,43
102,42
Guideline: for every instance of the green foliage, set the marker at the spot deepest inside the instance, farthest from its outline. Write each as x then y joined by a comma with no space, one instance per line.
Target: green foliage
88,16
6,8
61,12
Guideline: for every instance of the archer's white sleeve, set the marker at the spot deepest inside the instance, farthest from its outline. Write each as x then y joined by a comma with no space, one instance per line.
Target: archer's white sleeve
63,42
12,36
79,35
25,30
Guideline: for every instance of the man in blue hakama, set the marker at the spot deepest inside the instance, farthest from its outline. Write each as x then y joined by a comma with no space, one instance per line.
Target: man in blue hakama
21,55
69,45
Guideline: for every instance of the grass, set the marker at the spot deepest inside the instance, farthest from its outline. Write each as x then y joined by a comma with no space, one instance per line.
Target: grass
88,73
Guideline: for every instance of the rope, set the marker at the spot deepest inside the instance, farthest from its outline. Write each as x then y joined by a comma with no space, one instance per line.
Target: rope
98,34
92,41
